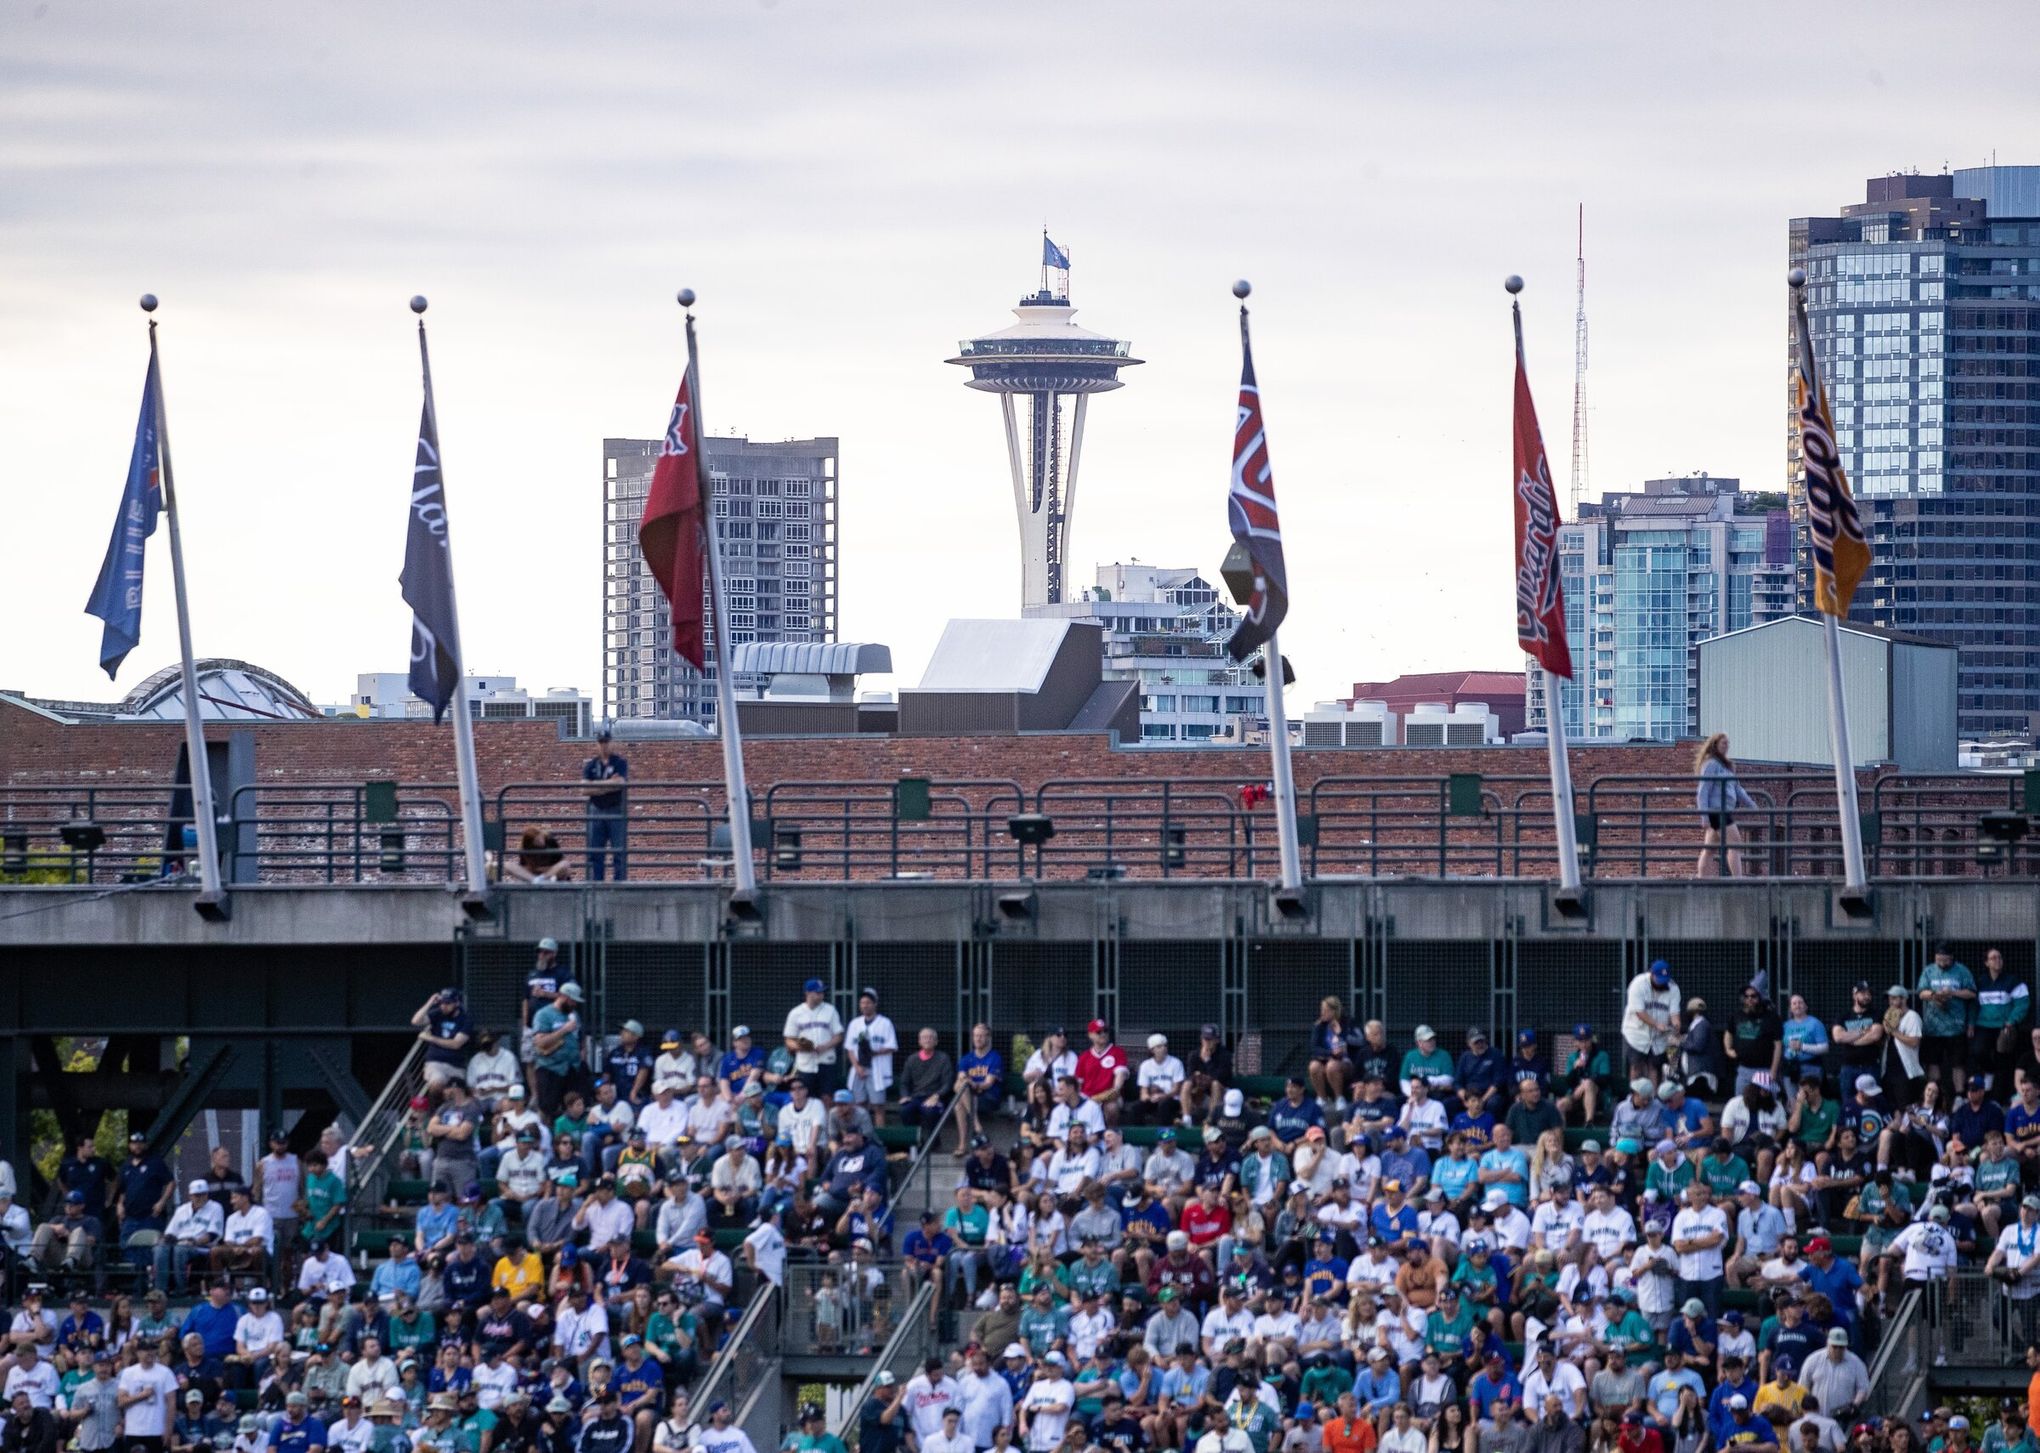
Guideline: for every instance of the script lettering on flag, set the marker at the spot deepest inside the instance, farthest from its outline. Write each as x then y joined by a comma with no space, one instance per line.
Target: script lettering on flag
672,530
428,576
1840,553
1250,508
1540,601
117,594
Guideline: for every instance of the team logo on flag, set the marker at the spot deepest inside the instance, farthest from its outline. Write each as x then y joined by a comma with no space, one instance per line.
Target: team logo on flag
1540,600
1840,553
1250,507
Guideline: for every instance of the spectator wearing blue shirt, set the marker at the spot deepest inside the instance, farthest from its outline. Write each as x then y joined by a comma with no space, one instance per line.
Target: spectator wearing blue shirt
1693,1333
1377,1387
1394,1218
1528,1064
981,1085
1758,1230
1400,1161
297,1431
399,1274
1481,1070
1506,1169
1805,1040
1664,1386
1293,1114
1686,1119
1475,1122
849,1171
1977,1115
744,1061
1735,1383
213,1320
1833,1278
145,1185
437,1220
1493,1381
628,1065
444,1028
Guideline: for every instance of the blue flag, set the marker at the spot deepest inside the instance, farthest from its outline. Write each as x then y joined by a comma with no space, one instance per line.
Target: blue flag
117,596
1053,256
428,570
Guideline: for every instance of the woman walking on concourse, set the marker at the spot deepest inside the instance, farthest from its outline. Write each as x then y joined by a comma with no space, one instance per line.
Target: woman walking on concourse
1718,796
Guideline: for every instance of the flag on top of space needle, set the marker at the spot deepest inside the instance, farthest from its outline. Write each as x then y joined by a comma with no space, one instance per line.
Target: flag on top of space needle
1053,256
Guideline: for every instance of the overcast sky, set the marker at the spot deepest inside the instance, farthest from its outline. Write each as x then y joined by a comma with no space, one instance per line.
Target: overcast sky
852,188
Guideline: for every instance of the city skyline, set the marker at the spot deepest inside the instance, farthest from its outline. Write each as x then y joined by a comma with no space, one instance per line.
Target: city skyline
300,185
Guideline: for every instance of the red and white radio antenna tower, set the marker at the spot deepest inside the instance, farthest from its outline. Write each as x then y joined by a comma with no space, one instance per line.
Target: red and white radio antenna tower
1579,379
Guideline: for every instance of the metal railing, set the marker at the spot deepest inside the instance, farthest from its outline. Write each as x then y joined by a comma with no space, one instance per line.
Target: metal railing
1970,1321
902,1356
1898,1374
917,1191
746,1354
371,1150
847,1308
1445,826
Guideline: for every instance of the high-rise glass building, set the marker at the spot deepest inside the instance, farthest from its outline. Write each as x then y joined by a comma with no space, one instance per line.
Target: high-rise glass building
1647,577
1924,305
775,504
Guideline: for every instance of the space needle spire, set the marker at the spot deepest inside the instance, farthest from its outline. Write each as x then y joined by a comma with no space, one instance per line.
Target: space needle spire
1054,366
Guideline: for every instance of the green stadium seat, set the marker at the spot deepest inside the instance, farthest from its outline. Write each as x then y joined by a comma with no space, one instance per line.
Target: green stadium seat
1144,1135
1740,1299
1578,1135
1261,1087
1848,1248
902,1138
729,1238
409,1193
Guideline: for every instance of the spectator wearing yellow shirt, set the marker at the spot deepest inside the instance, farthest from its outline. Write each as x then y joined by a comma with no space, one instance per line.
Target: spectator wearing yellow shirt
520,1272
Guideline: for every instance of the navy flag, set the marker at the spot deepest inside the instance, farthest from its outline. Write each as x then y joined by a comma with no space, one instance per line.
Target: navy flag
1053,256
1250,507
428,569
117,595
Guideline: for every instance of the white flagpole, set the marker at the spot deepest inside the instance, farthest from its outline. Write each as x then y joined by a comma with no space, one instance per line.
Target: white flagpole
1285,784
734,788
1851,824
212,899
463,725
1561,786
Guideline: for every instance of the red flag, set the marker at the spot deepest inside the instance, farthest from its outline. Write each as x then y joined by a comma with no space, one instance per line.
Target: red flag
670,533
1540,604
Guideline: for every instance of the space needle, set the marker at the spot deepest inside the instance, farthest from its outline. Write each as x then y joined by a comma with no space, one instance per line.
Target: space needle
1046,359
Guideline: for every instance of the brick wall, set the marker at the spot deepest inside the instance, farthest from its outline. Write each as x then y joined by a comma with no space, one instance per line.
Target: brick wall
35,750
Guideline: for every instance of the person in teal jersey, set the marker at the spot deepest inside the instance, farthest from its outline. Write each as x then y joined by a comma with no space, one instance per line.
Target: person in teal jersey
814,1435
1506,1168
1723,1170
556,1047
1426,1062
1092,1274
1947,999
1448,1330
2004,1007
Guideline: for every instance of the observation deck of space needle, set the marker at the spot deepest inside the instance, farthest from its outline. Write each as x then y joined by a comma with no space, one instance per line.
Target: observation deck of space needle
1054,365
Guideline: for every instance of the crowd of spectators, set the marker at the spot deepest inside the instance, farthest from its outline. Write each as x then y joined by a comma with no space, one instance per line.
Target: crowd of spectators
1682,1239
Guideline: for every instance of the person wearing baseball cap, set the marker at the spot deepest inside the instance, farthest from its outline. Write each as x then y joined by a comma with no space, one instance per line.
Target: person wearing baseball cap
605,778
1102,1071
1585,1068
1650,1021
1158,1084
813,1032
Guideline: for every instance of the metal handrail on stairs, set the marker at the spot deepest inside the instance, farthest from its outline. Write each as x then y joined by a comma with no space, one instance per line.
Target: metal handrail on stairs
901,1356
369,1149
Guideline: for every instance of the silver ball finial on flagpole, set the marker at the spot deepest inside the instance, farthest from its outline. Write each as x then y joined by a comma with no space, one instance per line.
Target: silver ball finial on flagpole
685,297
1241,288
418,303
1796,278
1513,282
148,302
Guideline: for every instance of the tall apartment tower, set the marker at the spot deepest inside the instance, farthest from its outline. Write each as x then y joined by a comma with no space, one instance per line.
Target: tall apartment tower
1052,366
1648,576
775,506
1924,305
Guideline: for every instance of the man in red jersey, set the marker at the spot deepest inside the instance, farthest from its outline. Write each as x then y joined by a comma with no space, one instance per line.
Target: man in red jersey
1102,1071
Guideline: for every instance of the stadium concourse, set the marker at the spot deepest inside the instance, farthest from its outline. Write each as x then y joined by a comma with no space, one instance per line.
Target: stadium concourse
1692,1234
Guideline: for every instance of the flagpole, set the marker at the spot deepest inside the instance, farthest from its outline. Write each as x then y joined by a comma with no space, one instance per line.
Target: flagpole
1851,824
1562,822
212,899
735,790
463,724
1561,785
1278,748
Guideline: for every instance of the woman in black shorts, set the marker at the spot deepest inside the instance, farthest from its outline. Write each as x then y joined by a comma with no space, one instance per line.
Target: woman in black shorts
1717,797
